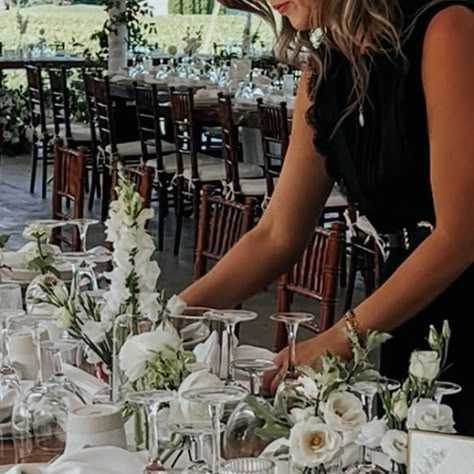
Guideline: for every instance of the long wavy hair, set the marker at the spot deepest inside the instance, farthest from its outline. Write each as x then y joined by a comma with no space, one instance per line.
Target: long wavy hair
357,29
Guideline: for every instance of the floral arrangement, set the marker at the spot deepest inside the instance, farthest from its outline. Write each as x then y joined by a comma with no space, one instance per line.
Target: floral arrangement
14,116
40,254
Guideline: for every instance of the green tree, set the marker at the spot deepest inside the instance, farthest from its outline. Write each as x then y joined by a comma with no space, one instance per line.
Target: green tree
193,7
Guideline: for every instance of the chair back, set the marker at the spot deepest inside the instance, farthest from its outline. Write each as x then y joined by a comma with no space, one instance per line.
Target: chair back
149,120
185,136
141,176
68,187
275,139
104,114
36,98
89,89
221,224
230,142
60,103
316,276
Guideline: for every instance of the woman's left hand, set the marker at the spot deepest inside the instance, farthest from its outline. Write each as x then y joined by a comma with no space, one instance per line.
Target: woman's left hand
307,353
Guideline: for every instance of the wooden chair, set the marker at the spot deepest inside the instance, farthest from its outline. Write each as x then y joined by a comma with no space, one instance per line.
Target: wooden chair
241,179
221,224
42,132
156,152
275,134
315,276
68,187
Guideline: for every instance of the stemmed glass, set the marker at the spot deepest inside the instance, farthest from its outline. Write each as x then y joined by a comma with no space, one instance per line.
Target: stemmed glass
249,466
10,296
83,226
230,318
152,400
192,325
215,398
286,390
443,389
368,391
76,260
254,368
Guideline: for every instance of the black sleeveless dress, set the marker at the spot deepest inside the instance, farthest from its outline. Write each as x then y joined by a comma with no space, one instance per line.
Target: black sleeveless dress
384,167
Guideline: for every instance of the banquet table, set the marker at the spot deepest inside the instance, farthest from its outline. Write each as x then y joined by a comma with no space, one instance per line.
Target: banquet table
17,62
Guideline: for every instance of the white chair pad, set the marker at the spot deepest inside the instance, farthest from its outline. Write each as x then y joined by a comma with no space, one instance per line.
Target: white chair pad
169,162
217,172
127,149
253,187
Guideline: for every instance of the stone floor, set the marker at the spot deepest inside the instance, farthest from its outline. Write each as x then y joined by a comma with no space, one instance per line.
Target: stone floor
18,207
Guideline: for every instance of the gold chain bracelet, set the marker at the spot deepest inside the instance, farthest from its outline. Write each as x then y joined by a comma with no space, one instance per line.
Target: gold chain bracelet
351,322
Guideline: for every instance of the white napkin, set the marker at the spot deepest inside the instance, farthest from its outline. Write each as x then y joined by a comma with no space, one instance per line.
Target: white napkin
205,95
102,460
88,384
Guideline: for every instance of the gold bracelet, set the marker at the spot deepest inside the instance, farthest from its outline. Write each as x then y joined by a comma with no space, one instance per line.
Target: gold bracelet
351,322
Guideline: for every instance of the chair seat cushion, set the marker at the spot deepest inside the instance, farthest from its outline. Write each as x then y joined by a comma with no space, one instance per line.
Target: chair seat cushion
253,187
127,149
217,172
336,199
81,132
169,162
166,147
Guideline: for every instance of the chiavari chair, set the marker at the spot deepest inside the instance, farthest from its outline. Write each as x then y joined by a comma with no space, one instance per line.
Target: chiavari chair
316,276
221,224
42,132
156,152
68,188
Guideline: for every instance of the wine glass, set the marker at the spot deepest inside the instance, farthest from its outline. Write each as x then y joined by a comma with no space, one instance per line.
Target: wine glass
6,369
83,226
443,389
10,296
192,325
286,392
241,438
249,466
215,398
152,400
230,318
368,390
76,260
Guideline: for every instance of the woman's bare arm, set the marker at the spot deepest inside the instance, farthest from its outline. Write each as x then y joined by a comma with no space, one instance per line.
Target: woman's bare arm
284,230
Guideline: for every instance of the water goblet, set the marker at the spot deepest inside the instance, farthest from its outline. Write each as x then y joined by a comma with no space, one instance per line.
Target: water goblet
254,368
249,466
152,400
10,296
77,260
443,389
230,318
192,325
367,390
83,226
6,369
215,398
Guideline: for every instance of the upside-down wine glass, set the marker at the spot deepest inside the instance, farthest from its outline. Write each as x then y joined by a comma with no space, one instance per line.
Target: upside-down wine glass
368,390
230,318
249,466
443,389
10,296
152,400
192,325
83,226
76,260
286,391
215,398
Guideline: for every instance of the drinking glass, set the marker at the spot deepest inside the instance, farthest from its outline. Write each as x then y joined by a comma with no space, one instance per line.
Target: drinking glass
77,260
10,296
152,400
230,318
367,390
443,389
254,368
286,392
249,466
6,369
215,398
192,325
83,227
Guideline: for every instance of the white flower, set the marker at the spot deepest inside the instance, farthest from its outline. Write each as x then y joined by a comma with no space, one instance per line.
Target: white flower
149,305
395,445
308,386
371,434
60,292
424,365
62,317
91,357
35,231
399,405
96,331
193,411
176,305
300,414
138,350
344,412
313,443
427,415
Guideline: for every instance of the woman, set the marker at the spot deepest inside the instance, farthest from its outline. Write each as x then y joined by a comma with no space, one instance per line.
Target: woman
386,108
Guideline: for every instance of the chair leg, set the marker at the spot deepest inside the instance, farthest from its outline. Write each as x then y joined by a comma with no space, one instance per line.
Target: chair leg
44,176
179,204
196,203
351,277
105,193
34,165
93,190
162,207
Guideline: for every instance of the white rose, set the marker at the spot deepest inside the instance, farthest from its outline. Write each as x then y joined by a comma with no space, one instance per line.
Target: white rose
62,318
96,331
308,386
344,412
193,411
399,405
371,434
424,365
176,305
138,350
395,445
300,414
313,443
427,415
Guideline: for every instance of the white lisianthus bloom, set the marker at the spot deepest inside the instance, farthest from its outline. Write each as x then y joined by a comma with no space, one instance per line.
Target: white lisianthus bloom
371,434
61,293
176,305
395,445
35,231
399,405
308,386
140,349
313,443
96,331
425,365
145,215
344,412
62,317
427,415
193,411
149,305
300,414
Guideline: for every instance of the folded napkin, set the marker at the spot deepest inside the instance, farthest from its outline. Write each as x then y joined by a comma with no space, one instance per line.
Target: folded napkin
88,384
102,460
